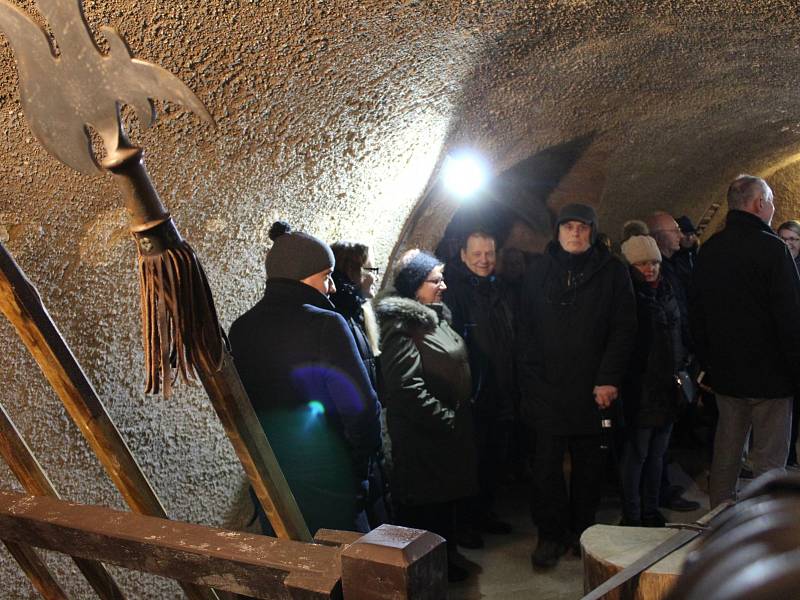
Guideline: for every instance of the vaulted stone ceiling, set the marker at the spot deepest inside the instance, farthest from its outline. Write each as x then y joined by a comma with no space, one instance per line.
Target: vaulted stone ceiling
336,115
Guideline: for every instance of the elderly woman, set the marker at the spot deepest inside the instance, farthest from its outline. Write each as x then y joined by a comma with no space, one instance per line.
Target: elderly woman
789,232
651,396
427,394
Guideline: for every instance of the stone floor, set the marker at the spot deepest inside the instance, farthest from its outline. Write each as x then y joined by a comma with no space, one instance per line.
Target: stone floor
503,568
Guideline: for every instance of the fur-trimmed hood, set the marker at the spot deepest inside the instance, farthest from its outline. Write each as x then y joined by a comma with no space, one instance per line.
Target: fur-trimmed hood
409,315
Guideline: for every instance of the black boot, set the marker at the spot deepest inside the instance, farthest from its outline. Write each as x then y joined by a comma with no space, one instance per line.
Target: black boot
547,553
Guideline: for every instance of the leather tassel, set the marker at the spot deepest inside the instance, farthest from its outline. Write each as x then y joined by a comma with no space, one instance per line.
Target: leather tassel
179,320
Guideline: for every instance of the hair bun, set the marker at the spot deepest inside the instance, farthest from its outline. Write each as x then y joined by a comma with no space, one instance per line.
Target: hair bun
278,229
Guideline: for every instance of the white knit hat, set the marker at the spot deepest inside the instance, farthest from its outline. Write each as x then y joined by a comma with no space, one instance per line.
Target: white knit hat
640,248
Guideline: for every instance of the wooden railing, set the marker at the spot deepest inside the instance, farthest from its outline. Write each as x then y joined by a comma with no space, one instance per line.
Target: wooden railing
389,562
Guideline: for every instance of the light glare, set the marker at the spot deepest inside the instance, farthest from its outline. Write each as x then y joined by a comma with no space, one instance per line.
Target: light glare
463,174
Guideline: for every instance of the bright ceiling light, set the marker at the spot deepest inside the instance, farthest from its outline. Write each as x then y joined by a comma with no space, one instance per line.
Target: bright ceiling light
463,174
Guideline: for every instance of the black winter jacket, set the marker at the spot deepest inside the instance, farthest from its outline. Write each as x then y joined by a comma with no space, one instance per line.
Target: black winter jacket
745,311
300,366
427,379
348,302
650,394
577,329
483,317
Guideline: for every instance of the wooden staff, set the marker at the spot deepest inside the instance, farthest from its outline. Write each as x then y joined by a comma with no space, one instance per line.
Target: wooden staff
31,475
21,304
180,325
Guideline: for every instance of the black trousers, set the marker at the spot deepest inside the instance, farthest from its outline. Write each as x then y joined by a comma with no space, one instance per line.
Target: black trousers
558,513
492,438
438,518
493,443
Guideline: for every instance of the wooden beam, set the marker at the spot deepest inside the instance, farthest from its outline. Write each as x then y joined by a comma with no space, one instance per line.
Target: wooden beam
31,475
38,573
21,304
254,565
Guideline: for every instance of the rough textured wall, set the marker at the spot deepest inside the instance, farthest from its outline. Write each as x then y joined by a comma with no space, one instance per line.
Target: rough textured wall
335,115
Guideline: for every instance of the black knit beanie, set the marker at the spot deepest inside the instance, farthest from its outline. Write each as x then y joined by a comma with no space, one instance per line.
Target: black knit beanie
578,212
409,278
296,255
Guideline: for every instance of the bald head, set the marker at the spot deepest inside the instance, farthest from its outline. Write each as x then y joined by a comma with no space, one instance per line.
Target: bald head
751,194
666,232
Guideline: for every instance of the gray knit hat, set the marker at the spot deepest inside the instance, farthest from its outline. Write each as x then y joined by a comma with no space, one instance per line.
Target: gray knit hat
296,255
578,212
640,248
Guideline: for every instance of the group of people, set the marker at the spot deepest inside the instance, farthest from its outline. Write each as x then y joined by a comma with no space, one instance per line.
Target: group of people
406,408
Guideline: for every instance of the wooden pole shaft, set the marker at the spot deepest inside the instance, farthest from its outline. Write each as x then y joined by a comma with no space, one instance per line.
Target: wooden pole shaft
21,304
31,475
222,383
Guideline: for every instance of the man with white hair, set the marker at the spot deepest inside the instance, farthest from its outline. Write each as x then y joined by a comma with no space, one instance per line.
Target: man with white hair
745,319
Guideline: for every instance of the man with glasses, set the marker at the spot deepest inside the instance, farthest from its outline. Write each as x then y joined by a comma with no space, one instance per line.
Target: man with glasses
577,329
745,318
482,315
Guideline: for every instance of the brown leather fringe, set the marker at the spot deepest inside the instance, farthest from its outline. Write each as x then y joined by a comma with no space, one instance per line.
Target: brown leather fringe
179,319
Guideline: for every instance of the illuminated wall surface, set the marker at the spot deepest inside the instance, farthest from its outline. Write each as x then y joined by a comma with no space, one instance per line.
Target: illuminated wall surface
335,115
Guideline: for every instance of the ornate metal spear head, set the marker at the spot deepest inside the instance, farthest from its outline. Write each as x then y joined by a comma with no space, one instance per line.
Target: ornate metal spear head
63,94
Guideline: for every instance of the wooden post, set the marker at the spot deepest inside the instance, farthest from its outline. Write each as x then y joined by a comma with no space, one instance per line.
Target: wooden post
608,549
30,474
22,306
254,565
395,562
38,573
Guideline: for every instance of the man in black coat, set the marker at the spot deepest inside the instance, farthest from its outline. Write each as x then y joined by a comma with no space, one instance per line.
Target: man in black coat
577,329
309,387
745,318
482,315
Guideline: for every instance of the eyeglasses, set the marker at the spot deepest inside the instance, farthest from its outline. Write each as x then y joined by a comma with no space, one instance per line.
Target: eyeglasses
373,270
437,282
790,239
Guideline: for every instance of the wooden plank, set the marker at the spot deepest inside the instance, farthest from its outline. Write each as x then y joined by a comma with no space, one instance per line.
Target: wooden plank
38,573
235,412
335,537
21,304
254,565
31,475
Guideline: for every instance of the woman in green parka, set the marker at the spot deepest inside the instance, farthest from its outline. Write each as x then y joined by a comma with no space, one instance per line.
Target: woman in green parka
427,395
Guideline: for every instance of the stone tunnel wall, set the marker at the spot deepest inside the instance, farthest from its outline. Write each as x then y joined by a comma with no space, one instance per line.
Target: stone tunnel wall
335,115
